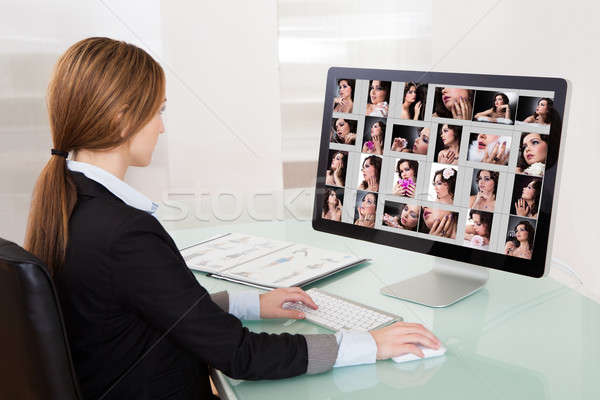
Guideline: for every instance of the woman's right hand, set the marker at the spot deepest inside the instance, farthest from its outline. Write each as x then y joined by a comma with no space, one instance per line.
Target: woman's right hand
402,338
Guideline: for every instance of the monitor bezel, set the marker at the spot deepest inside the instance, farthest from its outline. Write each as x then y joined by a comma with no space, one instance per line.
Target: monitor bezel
536,267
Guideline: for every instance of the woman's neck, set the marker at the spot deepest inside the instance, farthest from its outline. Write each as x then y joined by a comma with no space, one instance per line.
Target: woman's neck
406,105
454,147
524,244
113,161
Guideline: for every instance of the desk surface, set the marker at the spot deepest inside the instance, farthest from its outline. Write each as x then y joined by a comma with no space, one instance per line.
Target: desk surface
518,338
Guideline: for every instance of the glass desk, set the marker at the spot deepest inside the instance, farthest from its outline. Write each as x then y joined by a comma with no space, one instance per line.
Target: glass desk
518,338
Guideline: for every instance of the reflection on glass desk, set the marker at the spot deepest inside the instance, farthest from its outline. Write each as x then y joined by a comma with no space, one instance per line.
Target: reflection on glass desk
518,338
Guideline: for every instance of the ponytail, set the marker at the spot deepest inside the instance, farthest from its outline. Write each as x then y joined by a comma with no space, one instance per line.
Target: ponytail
54,198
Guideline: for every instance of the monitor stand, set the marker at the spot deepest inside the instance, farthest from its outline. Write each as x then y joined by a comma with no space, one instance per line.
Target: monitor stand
448,282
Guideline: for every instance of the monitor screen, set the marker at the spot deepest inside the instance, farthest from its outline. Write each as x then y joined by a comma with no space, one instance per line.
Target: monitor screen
459,166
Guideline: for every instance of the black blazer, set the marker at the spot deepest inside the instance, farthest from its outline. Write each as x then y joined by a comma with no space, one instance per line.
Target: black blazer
127,295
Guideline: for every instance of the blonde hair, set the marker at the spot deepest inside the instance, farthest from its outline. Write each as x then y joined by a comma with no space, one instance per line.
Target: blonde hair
102,92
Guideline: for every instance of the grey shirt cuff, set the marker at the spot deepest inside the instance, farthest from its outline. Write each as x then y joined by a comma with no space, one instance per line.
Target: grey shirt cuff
322,352
221,299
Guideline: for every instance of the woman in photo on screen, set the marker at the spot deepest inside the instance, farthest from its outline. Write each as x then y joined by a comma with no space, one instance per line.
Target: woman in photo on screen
407,172
412,103
336,174
332,206
450,135
491,149
371,170
499,112
532,158
99,240
478,229
420,146
451,102
543,112
524,233
444,184
366,211
343,103
375,145
407,220
379,98
527,205
344,131
439,222
487,185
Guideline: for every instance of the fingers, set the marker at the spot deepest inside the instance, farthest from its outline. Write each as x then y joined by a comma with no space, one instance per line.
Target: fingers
410,348
291,314
446,228
408,329
434,227
297,294
454,110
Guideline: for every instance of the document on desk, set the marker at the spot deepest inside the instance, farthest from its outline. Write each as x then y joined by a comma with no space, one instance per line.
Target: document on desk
265,263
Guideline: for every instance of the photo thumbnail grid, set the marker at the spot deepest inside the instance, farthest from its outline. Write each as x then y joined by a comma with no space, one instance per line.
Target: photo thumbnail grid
462,165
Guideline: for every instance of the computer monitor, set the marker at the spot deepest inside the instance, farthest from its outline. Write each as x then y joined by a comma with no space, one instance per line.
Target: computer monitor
461,167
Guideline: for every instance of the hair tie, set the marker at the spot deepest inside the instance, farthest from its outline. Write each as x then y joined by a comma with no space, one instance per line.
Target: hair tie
55,152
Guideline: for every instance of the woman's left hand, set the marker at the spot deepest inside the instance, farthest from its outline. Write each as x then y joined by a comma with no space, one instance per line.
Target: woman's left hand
271,303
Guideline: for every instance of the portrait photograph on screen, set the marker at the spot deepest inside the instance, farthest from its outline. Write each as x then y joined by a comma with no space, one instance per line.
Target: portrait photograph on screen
489,148
344,99
447,145
414,100
404,182
495,107
410,139
402,216
343,131
453,102
373,135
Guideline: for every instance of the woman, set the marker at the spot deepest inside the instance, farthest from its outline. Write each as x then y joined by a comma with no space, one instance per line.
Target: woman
375,145
407,220
407,172
524,233
444,184
487,183
332,206
532,158
344,131
450,135
491,149
499,112
344,102
419,147
379,98
439,222
543,112
527,205
371,170
366,211
413,102
123,285
454,103
478,229
336,174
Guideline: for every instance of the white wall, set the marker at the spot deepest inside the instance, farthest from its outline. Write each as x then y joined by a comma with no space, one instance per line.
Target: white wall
555,39
223,115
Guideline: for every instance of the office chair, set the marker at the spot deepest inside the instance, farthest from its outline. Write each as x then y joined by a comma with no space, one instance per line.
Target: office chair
36,360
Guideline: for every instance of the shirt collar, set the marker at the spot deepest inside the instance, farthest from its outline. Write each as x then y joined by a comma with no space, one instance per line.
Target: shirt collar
122,190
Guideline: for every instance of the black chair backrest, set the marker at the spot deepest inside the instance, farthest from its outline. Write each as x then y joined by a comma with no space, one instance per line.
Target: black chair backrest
35,361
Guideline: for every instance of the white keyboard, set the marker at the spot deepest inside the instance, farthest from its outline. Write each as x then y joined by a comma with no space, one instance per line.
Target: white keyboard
336,313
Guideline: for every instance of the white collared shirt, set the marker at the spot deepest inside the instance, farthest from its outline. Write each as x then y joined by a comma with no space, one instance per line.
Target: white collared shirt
116,186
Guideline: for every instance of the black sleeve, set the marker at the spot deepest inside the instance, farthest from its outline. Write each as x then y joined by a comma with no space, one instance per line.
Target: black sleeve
151,279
